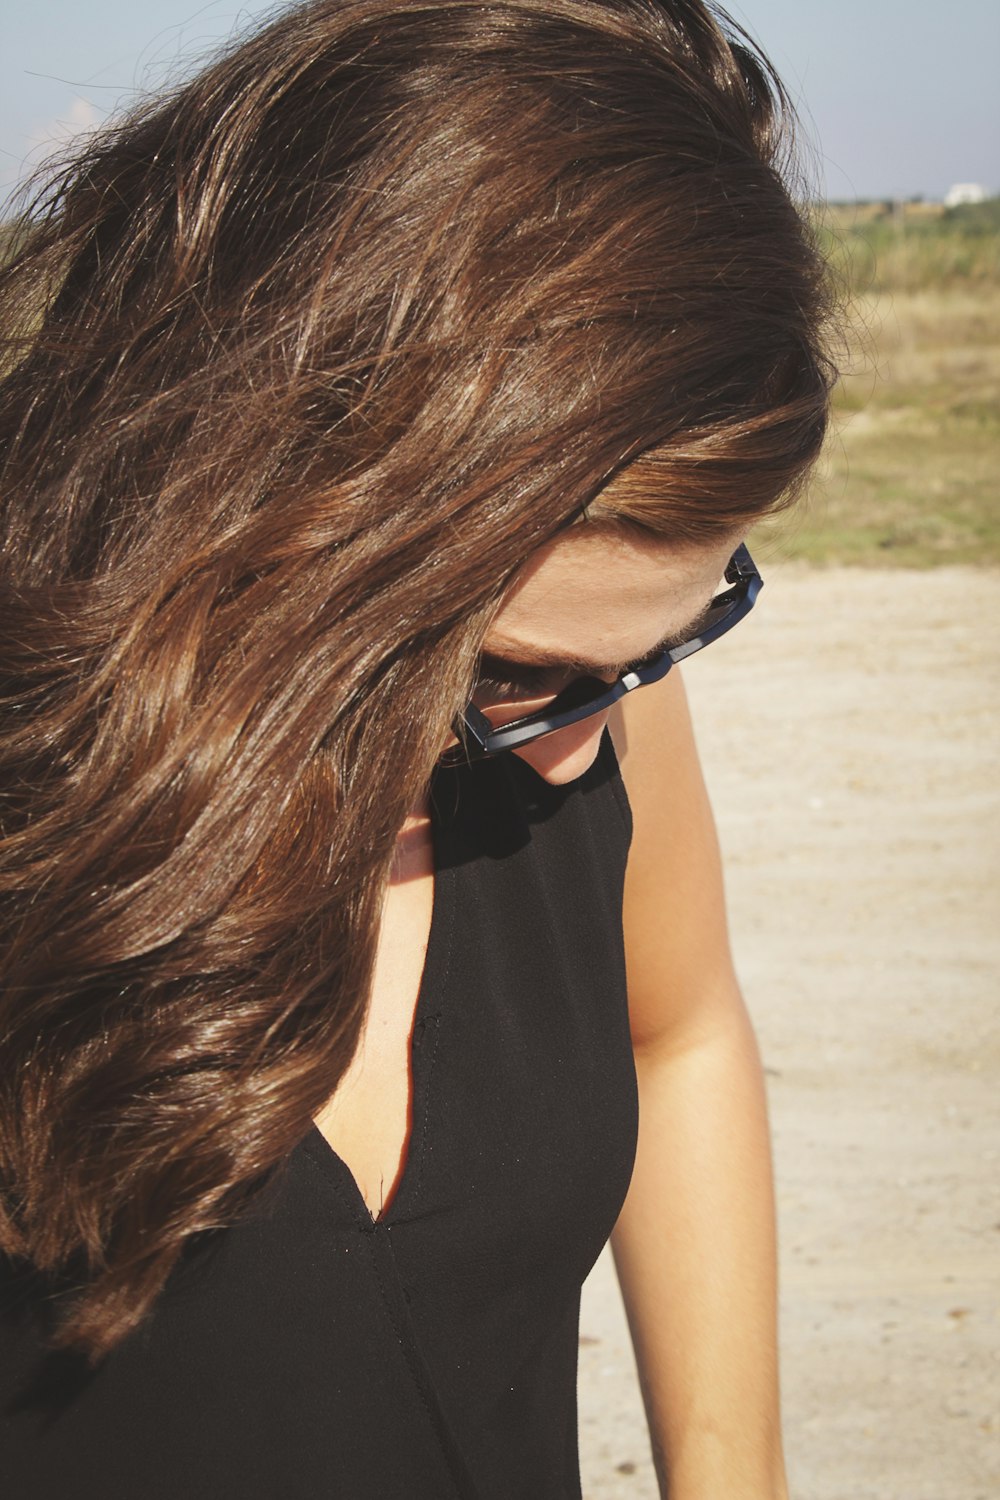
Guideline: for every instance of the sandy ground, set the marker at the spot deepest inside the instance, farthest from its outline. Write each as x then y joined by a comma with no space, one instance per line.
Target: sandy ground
849,734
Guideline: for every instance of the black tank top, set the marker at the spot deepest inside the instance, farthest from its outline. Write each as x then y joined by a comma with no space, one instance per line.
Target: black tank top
311,1353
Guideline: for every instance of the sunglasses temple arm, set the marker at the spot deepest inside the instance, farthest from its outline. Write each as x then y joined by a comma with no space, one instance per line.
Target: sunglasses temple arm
475,724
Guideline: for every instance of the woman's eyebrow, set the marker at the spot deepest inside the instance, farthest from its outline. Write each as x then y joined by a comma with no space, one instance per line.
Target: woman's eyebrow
536,656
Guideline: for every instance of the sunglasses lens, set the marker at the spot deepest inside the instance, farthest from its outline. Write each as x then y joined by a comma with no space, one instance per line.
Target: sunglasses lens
580,693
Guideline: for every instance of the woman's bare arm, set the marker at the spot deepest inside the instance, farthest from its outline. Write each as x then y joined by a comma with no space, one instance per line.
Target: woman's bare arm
694,1245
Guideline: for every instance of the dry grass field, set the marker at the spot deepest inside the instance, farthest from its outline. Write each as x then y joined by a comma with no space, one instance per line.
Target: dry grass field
911,473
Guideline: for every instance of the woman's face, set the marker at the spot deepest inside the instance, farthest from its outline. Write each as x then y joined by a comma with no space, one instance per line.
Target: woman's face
592,601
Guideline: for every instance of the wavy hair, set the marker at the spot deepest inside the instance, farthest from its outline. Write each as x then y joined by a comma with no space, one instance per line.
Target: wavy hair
301,362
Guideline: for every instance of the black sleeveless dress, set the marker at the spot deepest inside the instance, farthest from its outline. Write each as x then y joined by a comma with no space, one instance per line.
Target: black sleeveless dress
312,1353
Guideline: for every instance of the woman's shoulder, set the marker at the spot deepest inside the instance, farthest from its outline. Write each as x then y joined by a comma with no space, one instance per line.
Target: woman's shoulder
674,917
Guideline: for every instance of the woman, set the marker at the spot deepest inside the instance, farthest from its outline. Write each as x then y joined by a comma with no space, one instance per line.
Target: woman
415,369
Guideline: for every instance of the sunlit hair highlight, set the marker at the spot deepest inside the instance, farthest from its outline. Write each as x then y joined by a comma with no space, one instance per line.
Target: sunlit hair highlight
301,363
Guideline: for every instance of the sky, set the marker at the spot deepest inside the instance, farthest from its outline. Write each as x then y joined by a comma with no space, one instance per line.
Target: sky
900,98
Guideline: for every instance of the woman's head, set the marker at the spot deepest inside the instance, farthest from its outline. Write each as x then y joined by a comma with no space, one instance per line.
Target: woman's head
307,360
375,304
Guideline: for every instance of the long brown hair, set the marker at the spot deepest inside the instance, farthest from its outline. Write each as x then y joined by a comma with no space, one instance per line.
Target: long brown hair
301,363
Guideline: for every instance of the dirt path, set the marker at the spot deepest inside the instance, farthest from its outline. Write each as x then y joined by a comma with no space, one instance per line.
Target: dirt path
849,733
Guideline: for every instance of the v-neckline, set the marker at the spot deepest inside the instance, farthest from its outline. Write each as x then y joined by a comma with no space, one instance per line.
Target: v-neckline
427,1016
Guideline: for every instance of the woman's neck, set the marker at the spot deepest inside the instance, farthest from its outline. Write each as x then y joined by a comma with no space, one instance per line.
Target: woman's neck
414,853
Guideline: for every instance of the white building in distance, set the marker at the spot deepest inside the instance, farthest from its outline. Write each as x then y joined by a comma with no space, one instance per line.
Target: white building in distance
965,192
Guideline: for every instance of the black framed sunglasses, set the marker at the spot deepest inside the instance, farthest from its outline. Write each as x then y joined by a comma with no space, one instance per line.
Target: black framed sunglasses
479,738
